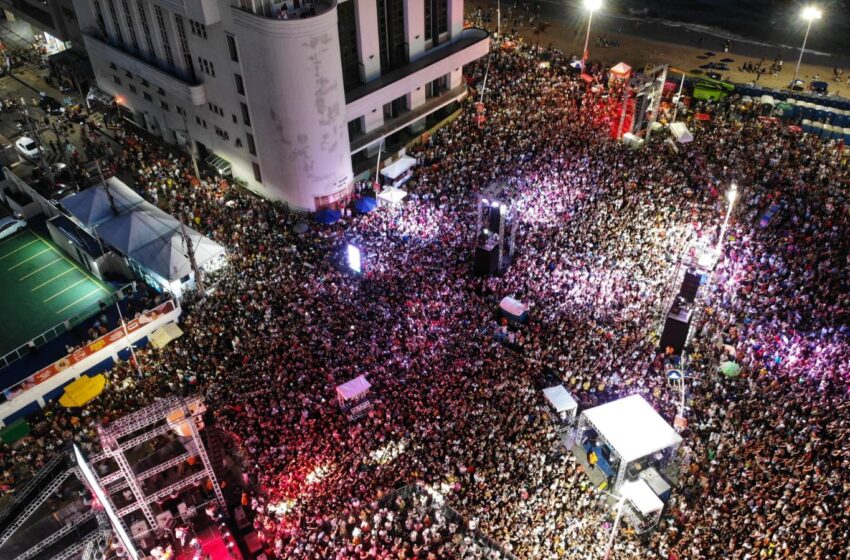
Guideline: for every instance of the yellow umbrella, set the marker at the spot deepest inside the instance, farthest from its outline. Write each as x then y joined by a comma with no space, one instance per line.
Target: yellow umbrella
81,391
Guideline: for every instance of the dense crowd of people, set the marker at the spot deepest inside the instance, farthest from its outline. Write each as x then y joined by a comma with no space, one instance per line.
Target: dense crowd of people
601,230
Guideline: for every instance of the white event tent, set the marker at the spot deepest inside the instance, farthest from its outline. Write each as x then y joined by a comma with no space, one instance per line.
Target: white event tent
631,429
562,401
152,239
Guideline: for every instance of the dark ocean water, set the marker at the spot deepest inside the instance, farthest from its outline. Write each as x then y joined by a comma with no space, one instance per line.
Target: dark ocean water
769,26
775,22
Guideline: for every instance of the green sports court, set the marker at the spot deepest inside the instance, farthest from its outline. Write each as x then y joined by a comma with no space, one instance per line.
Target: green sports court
40,287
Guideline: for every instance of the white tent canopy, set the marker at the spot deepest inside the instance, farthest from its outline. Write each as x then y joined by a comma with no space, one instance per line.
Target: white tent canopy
93,206
641,496
632,428
398,168
141,231
560,399
512,306
391,196
681,133
353,389
165,334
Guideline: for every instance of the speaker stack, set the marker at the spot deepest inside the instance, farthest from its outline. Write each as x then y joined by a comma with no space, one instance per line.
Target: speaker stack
496,228
676,325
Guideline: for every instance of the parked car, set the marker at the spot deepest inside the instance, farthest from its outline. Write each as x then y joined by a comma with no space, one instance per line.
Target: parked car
28,148
10,226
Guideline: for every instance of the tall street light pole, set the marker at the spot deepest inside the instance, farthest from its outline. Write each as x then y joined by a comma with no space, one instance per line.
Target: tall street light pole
731,196
810,14
591,6
610,545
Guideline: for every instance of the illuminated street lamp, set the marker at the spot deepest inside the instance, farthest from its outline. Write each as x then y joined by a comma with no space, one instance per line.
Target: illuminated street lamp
591,6
731,196
810,14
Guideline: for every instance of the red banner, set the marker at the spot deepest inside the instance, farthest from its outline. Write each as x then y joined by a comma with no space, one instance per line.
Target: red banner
99,344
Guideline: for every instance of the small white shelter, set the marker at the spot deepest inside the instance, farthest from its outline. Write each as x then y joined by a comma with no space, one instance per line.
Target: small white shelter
642,507
562,401
681,133
514,309
391,196
353,390
399,171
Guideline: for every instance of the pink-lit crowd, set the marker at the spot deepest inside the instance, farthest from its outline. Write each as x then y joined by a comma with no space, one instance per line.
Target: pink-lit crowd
765,455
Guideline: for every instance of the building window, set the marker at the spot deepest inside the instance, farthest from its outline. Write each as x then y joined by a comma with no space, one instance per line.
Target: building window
198,29
347,29
257,176
240,86
133,89
207,67
184,46
436,19
116,79
231,46
130,27
252,148
147,96
246,117
391,34
215,109
163,35
163,105
180,111
101,23
143,19
112,66
144,82
114,13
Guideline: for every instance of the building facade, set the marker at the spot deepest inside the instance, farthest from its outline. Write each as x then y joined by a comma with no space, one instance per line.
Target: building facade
294,96
54,18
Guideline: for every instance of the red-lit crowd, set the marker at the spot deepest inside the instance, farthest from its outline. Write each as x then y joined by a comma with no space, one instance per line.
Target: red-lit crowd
765,455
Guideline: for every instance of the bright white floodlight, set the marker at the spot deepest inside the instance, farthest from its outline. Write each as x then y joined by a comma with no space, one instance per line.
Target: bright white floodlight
732,194
354,261
811,13
94,485
592,5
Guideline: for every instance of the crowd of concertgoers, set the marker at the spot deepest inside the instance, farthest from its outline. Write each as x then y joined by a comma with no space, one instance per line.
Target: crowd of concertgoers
765,456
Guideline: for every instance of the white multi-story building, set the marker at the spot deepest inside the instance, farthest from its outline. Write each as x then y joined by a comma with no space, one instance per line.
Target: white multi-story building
293,95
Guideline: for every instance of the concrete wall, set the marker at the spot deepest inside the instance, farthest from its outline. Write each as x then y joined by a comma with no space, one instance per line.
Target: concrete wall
295,96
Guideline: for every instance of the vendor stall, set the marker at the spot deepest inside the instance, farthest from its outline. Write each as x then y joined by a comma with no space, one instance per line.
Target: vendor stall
642,508
681,133
398,172
353,397
563,403
626,435
513,309
391,197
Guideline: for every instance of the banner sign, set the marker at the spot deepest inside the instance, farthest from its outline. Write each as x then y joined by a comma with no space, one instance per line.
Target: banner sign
91,348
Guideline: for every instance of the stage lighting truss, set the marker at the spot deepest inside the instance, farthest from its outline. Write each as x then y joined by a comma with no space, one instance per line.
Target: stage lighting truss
505,221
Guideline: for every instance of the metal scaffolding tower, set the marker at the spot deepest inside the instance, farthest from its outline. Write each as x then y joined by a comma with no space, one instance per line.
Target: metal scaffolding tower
163,416
159,418
27,501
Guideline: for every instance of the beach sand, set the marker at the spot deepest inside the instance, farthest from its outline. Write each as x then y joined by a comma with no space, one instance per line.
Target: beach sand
638,51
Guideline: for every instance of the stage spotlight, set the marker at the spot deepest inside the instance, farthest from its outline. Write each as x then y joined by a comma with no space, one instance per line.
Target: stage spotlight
354,260
485,202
